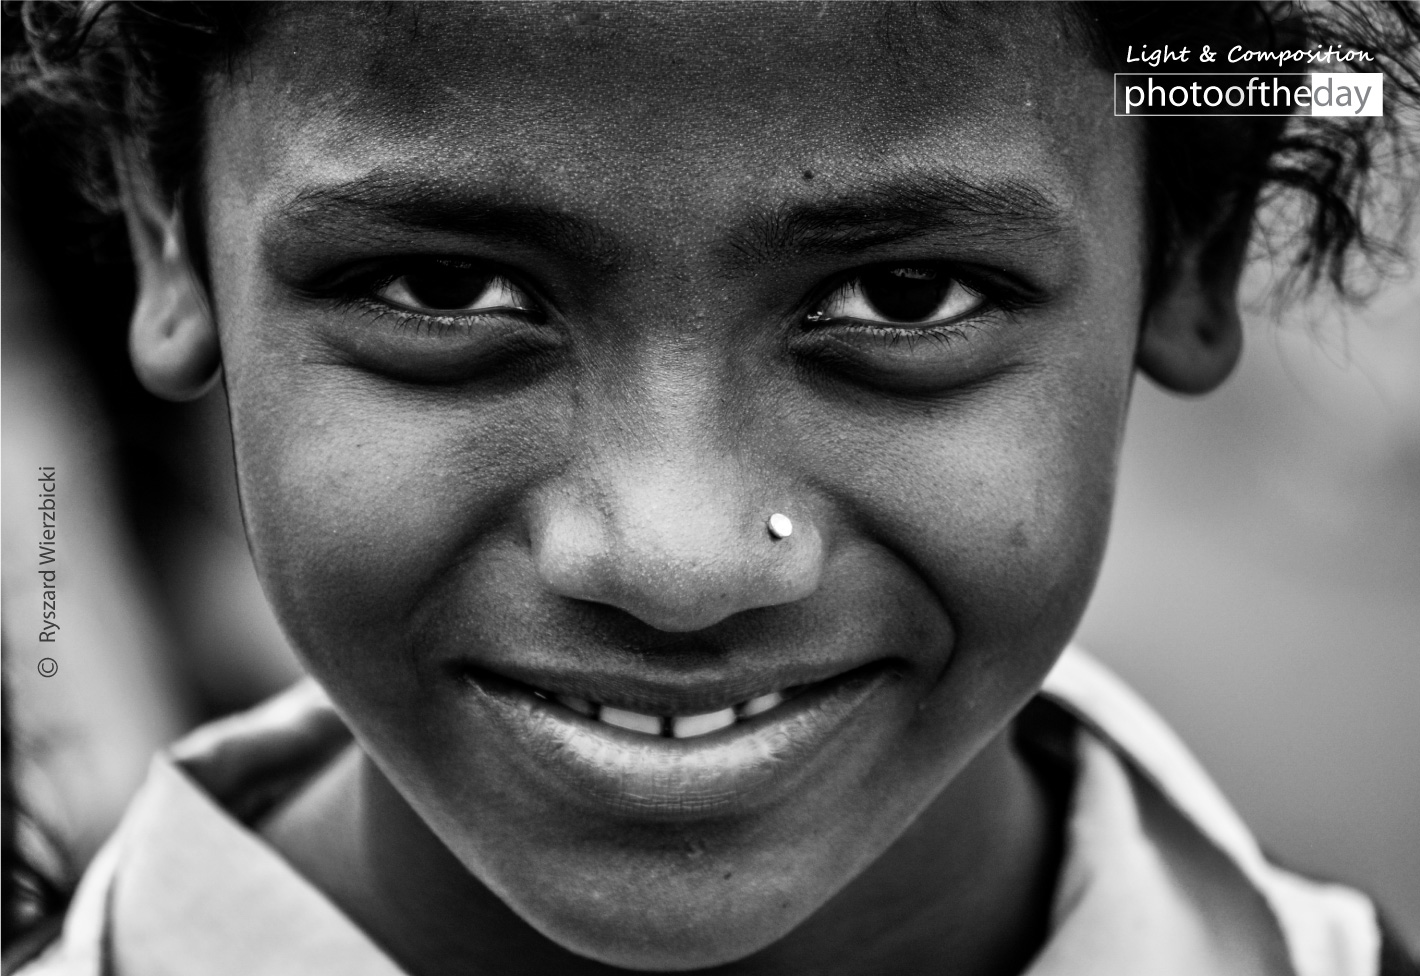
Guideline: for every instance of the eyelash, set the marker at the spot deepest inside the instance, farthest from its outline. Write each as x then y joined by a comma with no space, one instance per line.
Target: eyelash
941,335
403,319
357,292
999,292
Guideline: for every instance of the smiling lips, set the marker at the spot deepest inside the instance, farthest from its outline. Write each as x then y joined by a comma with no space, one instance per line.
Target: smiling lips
664,766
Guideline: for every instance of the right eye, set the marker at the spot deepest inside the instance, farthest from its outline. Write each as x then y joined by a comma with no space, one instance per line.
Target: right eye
906,296
447,288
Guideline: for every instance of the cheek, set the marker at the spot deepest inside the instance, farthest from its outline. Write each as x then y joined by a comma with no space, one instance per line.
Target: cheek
1026,522
1029,539
1015,517
360,497
1001,501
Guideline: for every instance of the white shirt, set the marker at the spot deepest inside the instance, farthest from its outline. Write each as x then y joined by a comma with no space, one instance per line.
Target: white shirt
1160,876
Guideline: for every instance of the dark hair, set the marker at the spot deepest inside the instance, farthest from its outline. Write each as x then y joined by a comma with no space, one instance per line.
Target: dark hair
1339,190
34,878
90,73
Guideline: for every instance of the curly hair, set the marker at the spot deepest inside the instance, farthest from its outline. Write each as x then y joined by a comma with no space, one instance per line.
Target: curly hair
1340,190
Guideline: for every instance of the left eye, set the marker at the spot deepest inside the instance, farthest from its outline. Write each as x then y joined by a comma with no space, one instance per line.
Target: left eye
904,294
449,289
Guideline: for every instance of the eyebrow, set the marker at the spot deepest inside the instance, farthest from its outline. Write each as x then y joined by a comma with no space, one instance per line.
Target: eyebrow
382,203
1004,210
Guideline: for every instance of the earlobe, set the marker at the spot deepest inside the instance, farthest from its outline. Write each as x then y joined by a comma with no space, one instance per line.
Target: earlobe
1190,342
172,337
1192,336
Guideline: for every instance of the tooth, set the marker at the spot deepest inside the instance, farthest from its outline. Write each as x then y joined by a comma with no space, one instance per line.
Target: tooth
635,721
579,705
685,726
763,703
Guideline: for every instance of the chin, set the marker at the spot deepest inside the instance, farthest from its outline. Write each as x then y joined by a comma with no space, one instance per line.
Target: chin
644,915
673,942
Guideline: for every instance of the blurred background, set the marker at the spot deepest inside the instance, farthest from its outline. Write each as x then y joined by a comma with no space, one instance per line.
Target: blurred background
1262,586
1261,589
163,624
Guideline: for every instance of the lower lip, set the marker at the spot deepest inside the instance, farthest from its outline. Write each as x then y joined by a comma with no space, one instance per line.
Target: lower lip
647,777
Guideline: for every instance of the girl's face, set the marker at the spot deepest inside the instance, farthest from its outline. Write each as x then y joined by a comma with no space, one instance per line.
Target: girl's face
532,317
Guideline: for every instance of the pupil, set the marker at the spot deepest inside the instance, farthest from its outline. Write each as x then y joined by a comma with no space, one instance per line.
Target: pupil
905,294
446,288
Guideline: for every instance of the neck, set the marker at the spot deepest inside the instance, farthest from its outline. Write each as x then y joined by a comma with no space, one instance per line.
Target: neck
970,882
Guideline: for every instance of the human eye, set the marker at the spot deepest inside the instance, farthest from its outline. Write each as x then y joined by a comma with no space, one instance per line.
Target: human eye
917,327
900,297
434,319
444,289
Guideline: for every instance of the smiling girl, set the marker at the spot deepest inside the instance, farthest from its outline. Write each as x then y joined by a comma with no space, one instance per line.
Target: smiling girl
680,443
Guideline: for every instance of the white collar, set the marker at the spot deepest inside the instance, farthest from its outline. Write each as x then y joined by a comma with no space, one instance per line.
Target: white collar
1328,929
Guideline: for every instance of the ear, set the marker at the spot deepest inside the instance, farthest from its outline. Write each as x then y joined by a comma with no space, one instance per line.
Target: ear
172,337
1192,333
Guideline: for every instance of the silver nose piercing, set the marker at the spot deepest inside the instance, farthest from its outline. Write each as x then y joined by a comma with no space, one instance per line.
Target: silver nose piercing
779,526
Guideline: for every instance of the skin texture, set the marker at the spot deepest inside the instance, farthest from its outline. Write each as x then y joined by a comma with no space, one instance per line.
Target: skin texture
583,488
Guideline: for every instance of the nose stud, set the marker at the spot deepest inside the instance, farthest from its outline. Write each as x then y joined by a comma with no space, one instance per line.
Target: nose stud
779,526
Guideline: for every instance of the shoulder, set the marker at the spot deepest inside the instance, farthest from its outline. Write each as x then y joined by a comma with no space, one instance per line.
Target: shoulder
187,829
1327,929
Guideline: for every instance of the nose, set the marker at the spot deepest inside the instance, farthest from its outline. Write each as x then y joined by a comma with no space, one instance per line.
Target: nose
679,540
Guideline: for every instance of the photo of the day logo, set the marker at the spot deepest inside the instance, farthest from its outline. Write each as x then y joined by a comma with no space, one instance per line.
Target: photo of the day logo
1312,93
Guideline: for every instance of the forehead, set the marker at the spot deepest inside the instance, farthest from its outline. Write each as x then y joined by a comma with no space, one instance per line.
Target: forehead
686,98
897,59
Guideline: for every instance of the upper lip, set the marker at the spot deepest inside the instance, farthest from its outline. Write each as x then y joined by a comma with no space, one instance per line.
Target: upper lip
665,691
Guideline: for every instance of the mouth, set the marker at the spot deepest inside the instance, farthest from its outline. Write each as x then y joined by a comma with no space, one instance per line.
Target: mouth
662,761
